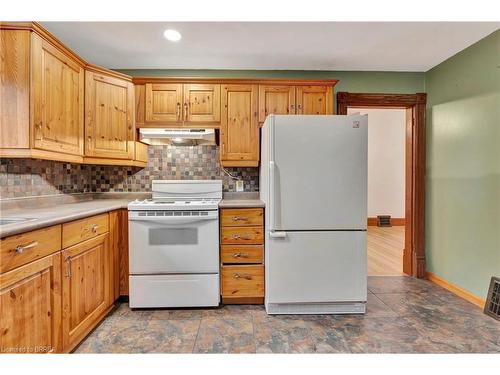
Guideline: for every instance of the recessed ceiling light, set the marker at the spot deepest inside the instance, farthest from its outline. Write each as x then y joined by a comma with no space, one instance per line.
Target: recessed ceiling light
172,35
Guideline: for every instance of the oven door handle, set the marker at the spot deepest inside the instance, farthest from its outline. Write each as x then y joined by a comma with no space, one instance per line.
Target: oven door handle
172,220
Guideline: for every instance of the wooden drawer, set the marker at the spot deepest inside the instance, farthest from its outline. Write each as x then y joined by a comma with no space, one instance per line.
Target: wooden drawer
241,253
84,229
243,281
237,217
26,247
242,235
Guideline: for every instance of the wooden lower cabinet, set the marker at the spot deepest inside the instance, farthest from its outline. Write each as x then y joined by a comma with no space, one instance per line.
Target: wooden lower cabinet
30,307
242,255
86,288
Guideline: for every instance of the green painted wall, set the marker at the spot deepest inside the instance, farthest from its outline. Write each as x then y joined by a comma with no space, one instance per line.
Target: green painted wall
463,166
388,82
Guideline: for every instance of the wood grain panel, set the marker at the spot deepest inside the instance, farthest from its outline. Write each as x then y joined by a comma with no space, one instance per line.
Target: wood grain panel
85,288
27,247
141,152
314,100
124,273
201,103
241,254
242,235
14,90
57,97
30,307
84,229
242,281
231,217
109,120
163,103
114,252
239,125
278,100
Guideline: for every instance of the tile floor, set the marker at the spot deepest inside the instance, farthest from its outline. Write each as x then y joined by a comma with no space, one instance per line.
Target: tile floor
404,315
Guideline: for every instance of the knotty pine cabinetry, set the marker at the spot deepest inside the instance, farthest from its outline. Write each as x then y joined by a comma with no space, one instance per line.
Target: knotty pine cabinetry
291,100
242,255
181,105
57,283
42,102
239,130
109,116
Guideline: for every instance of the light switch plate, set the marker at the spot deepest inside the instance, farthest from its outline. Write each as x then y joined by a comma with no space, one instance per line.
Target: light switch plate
239,185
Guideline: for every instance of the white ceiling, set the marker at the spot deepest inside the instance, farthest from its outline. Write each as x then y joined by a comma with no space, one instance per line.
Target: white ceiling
382,46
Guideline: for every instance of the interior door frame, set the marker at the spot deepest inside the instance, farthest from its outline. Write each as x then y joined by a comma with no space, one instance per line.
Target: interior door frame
414,252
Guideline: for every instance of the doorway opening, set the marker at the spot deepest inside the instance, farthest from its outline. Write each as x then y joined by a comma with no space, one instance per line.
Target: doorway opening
413,260
386,189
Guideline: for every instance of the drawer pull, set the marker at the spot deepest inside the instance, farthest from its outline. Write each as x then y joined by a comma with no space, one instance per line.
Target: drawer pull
245,276
240,218
240,255
240,237
92,228
21,248
68,267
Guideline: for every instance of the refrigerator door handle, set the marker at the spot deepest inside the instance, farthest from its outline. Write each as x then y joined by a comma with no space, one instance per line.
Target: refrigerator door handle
274,234
272,208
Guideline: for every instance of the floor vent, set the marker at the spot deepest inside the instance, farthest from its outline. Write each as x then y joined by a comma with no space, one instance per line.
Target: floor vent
383,220
492,306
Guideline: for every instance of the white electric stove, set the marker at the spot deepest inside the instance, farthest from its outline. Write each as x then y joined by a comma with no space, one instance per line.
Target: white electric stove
174,245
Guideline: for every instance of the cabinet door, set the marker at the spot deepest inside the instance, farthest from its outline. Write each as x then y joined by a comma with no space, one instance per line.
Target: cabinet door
314,100
201,103
239,126
57,99
109,126
278,100
85,288
164,102
30,307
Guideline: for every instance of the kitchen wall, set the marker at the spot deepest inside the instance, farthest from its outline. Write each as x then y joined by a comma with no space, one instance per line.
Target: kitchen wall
386,160
23,177
463,167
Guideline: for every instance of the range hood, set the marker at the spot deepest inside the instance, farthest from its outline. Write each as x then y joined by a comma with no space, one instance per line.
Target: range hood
177,137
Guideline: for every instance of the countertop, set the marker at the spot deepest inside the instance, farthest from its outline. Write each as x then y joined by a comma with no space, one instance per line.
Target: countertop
57,213
46,216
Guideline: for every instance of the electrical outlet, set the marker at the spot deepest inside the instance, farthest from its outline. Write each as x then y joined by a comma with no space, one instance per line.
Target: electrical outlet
239,185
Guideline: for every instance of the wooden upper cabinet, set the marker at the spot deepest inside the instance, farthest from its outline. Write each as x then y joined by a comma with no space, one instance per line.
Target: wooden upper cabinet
164,102
86,288
109,120
30,307
278,100
239,126
201,103
57,98
314,100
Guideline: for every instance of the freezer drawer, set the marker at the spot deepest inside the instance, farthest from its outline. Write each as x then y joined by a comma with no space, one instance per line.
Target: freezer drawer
174,290
316,267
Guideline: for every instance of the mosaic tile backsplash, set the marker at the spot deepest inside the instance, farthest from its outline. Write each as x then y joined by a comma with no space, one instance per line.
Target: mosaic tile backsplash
25,177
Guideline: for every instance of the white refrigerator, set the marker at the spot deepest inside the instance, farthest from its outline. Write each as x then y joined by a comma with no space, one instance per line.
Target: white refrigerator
313,180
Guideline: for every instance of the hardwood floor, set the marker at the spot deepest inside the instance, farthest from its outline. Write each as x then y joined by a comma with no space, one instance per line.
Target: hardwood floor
385,250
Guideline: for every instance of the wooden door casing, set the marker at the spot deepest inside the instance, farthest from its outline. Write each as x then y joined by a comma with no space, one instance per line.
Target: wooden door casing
109,129
164,102
314,100
57,96
201,103
276,99
85,288
239,126
30,307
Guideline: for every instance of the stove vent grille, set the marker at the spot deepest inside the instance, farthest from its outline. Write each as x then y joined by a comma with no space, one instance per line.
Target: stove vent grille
492,306
173,213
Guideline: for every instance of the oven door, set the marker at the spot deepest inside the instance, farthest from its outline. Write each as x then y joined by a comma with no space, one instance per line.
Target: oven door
162,242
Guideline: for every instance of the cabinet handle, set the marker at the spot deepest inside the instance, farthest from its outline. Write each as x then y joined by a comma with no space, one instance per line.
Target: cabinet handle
68,267
299,107
186,110
21,248
178,111
238,236
240,218
245,276
240,255
92,228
